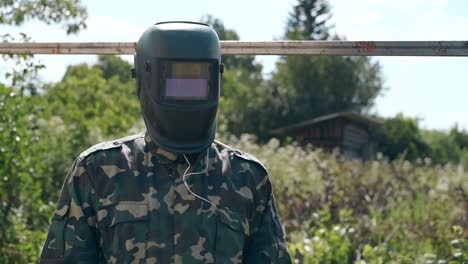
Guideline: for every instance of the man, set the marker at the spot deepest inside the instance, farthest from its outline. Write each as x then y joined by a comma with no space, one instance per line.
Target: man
172,194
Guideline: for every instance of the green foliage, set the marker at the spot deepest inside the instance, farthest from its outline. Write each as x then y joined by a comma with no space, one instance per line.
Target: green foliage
459,245
328,243
310,86
460,137
23,211
334,210
25,72
26,181
239,95
448,147
309,20
90,104
41,134
340,211
232,62
400,135
114,66
303,87
66,12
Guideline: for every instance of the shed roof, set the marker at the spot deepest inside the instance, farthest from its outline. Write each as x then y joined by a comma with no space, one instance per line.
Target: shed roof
364,120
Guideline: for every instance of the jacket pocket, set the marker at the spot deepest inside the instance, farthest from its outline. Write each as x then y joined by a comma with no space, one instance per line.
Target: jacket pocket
123,231
232,232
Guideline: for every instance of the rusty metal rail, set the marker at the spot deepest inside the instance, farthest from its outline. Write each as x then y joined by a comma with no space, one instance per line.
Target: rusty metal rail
340,48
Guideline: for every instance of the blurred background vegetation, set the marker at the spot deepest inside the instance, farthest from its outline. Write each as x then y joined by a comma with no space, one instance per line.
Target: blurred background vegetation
408,205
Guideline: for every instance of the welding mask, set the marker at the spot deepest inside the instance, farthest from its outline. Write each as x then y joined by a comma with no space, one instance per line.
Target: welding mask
177,70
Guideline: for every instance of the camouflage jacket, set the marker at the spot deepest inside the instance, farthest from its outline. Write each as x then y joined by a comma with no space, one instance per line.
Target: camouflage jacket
124,201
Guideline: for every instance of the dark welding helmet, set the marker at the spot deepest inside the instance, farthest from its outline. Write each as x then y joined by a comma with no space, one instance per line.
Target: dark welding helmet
178,69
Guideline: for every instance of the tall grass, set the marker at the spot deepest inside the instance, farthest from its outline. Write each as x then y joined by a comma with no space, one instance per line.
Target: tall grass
337,210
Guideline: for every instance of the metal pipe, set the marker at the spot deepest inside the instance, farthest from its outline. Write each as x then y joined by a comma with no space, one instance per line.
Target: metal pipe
339,48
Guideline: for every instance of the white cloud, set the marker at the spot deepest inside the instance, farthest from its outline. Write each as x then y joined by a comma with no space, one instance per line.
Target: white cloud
112,29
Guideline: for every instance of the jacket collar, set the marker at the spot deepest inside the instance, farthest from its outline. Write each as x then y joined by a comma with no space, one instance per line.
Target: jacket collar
155,149
167,157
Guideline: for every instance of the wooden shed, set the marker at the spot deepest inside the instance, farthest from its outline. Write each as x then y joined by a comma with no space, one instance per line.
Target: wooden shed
348,132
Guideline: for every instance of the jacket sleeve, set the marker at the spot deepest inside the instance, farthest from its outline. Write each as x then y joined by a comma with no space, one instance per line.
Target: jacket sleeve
73,236
266,243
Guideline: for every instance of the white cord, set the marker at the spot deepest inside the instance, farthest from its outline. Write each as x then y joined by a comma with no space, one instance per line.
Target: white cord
184,179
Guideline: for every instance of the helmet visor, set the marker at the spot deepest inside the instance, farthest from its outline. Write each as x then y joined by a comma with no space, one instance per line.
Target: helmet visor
186,80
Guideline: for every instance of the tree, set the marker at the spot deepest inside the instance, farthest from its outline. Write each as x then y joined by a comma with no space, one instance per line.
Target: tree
241,79
309,86
24,213
25,183
68,13
40,136
233,62
89,104
308,20
113,66
400,135
460,137
447,147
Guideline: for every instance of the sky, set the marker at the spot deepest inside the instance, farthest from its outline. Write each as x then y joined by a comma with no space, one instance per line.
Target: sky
432,89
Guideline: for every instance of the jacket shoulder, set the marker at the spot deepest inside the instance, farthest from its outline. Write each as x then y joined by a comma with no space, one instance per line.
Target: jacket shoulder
108,145
244,156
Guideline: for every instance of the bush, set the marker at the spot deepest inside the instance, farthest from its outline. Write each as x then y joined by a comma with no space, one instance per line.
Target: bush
342,211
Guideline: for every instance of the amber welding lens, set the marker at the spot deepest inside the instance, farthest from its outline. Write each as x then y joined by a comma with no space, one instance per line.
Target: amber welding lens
187,81
187,69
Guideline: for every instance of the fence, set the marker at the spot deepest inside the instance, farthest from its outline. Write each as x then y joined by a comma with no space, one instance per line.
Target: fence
338,48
